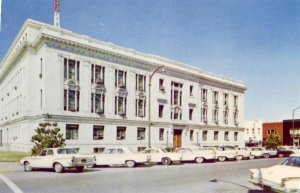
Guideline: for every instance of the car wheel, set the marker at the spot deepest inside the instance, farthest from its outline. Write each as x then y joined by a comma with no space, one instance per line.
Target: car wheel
239,157
221,158
199,160
130,163
80,169
27,167
166,161
58,168
280,155
251,157
266,155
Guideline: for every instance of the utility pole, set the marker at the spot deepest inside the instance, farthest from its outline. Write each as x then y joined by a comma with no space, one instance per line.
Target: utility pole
56,13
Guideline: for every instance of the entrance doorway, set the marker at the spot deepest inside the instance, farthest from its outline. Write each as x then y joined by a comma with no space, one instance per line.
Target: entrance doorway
177,138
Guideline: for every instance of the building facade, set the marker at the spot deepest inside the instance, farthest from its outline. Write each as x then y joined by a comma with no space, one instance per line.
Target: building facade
253,133
291,136
272,127
98,94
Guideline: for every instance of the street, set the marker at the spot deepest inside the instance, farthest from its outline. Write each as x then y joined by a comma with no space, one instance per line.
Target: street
216,177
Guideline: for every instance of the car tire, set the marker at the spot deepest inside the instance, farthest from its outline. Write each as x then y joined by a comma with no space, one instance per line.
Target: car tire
27,167
58,168
130,163
221,158
199,160
266,155
239,157
251,157
166,161
80,169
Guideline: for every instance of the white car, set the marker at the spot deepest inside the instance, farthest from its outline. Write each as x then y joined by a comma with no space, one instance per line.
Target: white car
120,156
58,159
259,152
244,153
196,154
224,153
160,155
284,177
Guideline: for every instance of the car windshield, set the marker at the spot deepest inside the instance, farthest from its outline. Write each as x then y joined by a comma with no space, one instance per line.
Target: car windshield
163,150
66,151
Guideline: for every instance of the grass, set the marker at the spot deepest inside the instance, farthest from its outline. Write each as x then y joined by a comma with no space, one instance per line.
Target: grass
12,156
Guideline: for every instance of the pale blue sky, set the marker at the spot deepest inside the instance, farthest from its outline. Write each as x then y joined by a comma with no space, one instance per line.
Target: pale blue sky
255,41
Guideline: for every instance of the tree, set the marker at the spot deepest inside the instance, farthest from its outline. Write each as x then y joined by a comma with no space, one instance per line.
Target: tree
47,136
273,141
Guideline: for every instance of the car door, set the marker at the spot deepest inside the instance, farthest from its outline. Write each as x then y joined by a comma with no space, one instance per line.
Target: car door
37,161
47,160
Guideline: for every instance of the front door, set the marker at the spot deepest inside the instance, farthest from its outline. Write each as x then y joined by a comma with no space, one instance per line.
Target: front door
177,138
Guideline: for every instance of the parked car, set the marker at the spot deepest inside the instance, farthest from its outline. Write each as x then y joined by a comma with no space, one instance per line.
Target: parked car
224,153
284,177
196,154
285,151
259,152
160,155
120,156
58,159
244,153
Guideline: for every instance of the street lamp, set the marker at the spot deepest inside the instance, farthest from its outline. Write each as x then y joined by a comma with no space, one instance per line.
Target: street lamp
294,120
149,106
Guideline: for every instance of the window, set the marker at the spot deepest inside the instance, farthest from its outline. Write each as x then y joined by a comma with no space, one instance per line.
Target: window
225,99
99,149
43,152
97,74
97,103
204,135
72,131
235,118
161,85
270,131
203,95
236,98
236,136
120,105
71,100
141,148
71,69
121,133
204,115
160,111
98,132
141,133
161,134
191,114
176,100
225,116
140,82
226,136
191,90
215,116
216,135
215,97
50,152
120,78
191,135
140,107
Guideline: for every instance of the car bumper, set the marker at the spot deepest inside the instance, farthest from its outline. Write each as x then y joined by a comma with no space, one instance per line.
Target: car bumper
267,185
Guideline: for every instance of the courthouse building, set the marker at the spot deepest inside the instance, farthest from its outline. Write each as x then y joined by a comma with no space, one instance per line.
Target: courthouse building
98,94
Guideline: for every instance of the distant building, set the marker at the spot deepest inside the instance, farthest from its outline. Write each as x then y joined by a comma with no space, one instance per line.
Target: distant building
274,127
253,133
98,94
291,136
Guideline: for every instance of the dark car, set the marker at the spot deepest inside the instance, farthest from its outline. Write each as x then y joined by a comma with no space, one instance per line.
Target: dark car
285,151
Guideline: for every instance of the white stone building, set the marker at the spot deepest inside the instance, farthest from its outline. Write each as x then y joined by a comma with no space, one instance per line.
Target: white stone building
253,132
98,94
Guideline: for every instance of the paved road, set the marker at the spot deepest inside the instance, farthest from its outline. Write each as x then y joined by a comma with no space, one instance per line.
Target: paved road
225,177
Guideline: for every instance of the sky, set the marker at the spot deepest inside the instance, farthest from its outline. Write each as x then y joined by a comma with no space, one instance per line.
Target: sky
253,41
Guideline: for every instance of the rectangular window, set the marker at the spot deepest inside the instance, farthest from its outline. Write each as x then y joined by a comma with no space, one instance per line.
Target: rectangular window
215,97
215,116
98,132
225,116
71,69
203,95
161,134
216,135
140,107
204,135
72,131
141,148
161,85
97,74
71,100
226,136
235,118
121,133
120,105
236,136
97,103
141,133
236,98
160,111
140,82
204,115
99,149
120,78
191,135
191,90
225,99
191,114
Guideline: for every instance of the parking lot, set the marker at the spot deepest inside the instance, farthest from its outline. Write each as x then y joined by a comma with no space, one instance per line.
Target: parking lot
216,177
